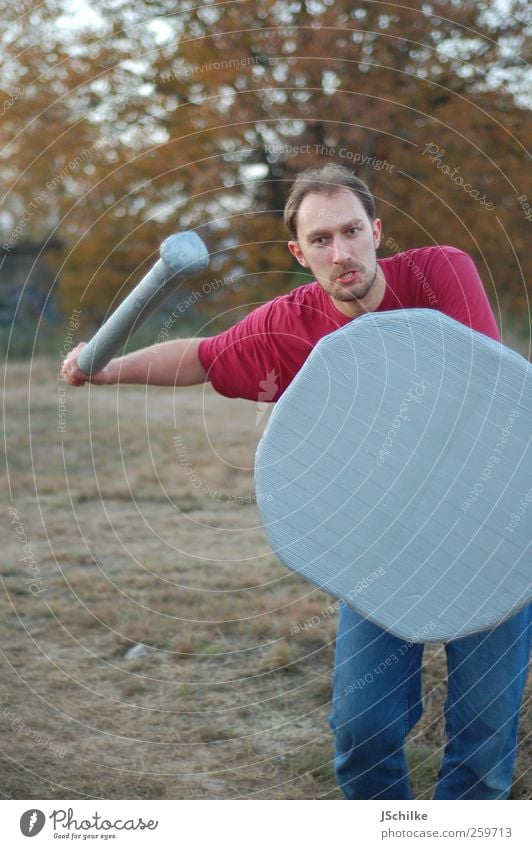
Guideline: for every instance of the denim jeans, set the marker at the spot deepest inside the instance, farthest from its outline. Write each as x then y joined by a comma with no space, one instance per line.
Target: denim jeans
377,700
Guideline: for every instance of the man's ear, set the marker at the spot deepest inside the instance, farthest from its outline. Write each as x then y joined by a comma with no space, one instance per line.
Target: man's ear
377,232
296,251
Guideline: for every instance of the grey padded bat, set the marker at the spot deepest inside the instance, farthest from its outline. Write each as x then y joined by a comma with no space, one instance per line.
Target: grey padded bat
181,255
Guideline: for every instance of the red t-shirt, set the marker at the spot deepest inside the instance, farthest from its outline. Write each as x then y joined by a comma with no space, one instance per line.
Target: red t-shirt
259,356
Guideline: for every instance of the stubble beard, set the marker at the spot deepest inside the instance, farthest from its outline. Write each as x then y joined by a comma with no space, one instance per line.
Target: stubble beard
358,292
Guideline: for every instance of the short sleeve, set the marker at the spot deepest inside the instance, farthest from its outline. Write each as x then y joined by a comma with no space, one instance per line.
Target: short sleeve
242,362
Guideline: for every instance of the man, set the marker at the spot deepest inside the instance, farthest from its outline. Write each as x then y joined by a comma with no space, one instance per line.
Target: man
334,232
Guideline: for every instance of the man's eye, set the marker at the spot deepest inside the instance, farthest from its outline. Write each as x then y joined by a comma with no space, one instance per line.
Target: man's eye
319,240
354,230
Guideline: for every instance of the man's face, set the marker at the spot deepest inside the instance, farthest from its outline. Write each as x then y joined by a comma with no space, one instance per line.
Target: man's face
338,242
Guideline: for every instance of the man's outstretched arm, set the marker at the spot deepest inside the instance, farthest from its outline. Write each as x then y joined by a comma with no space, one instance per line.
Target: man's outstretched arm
173,363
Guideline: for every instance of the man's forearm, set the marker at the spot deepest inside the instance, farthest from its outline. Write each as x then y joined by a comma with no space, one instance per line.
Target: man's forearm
173,363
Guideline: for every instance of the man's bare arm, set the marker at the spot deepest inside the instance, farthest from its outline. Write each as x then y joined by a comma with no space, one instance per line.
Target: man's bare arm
173,363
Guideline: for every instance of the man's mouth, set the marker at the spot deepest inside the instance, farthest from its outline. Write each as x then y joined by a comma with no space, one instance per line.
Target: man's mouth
347,277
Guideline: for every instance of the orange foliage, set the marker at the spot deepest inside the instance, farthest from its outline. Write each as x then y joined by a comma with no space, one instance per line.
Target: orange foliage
201,118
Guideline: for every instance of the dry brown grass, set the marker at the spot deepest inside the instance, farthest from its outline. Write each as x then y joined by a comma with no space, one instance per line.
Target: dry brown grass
231,701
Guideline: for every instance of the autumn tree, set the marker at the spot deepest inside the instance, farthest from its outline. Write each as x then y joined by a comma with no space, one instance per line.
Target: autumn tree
201,117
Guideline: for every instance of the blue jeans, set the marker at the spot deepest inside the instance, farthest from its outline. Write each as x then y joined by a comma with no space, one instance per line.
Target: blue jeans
377,701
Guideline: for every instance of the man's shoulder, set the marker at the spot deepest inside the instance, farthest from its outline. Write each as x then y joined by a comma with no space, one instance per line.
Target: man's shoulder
308,293
298,302
423,256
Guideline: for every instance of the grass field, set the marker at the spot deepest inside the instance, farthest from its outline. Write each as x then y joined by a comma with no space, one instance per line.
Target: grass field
134,511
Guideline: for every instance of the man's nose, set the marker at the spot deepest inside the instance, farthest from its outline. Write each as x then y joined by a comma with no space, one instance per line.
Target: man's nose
340,253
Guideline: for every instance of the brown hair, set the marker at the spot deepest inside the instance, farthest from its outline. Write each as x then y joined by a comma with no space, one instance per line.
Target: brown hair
325,180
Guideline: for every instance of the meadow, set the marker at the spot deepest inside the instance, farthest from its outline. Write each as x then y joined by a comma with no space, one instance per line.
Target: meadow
152,645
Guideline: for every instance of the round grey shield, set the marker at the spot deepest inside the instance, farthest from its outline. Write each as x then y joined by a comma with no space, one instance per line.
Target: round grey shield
394,473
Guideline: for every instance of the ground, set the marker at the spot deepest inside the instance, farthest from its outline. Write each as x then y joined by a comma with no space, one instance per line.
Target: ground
134,511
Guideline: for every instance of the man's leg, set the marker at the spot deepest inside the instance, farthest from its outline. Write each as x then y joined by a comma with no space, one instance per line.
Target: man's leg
376,701
486,679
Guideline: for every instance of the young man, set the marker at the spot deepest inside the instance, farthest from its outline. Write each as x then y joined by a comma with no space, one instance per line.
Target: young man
334,232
